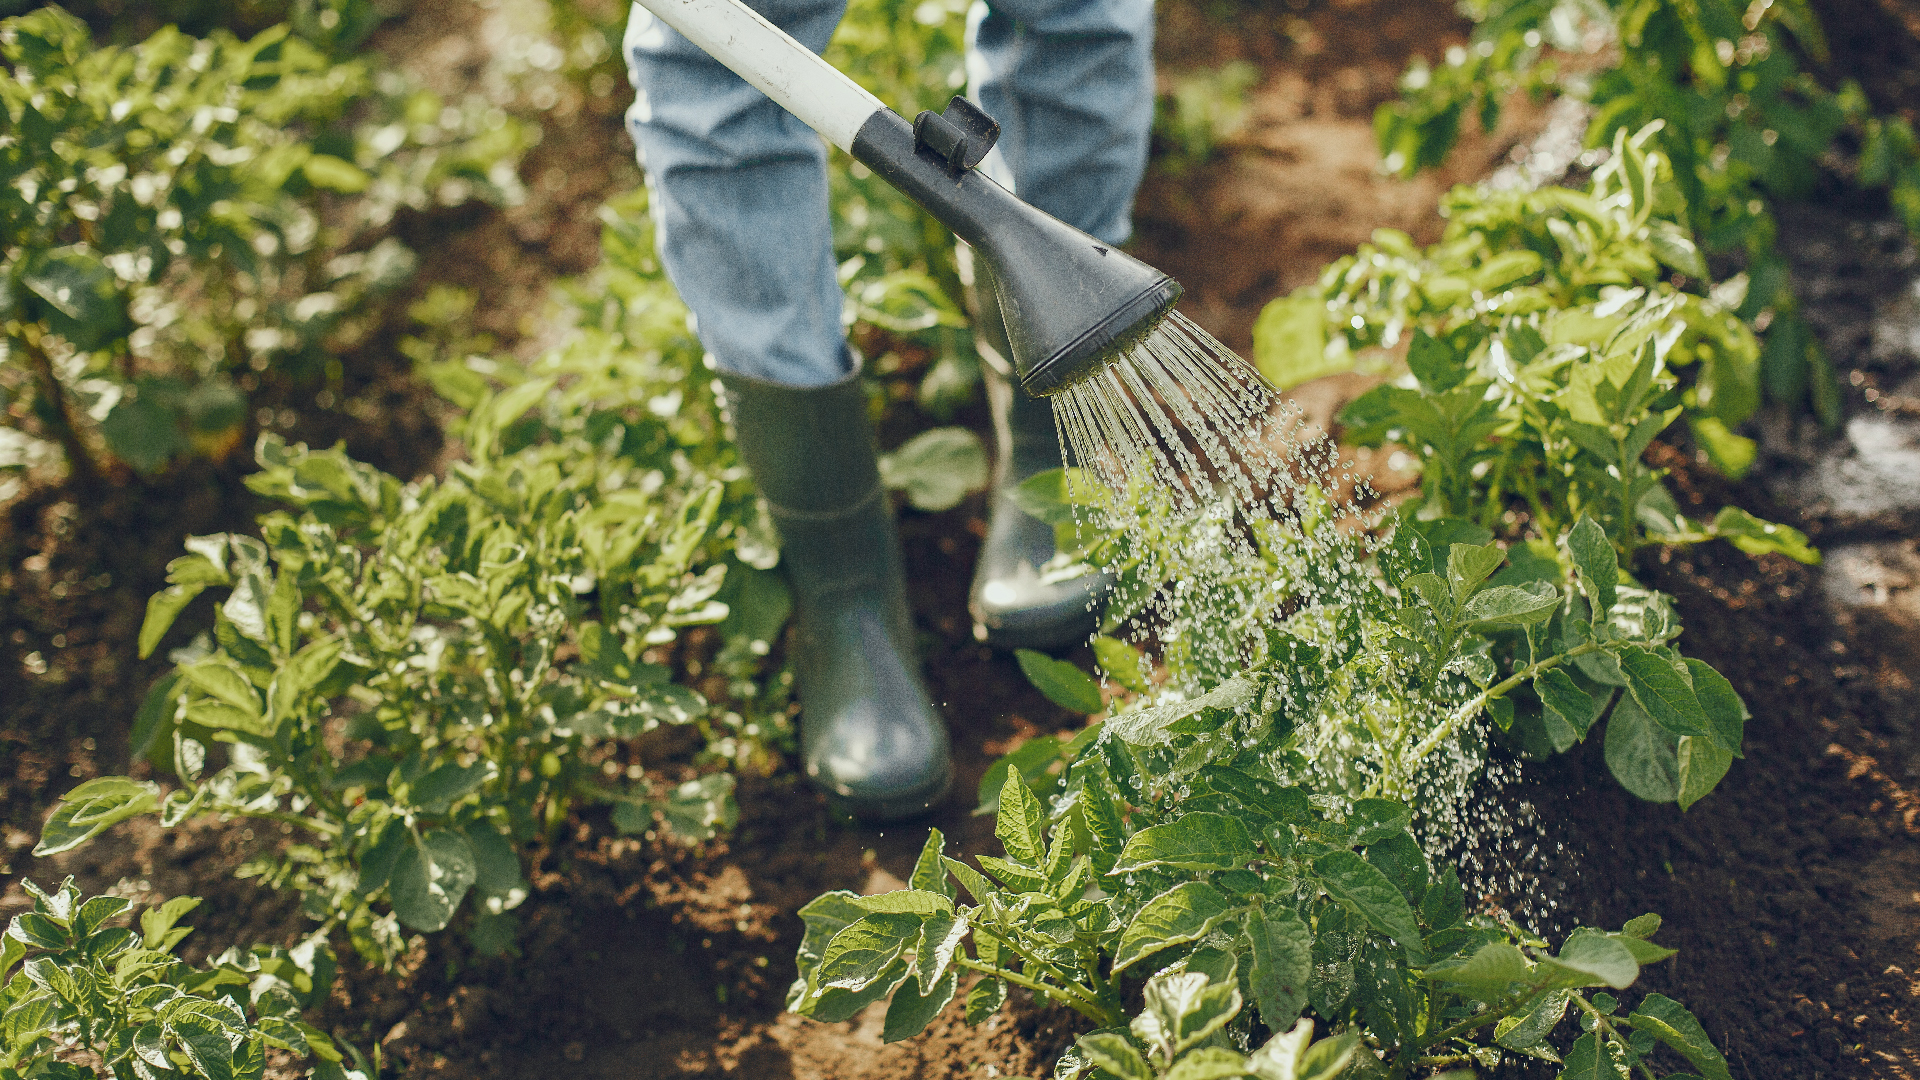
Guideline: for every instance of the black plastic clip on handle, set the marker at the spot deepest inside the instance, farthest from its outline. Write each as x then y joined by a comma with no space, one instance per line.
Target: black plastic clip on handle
961,136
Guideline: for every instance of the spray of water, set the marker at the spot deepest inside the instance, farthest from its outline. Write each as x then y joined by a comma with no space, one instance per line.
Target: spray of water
1234,516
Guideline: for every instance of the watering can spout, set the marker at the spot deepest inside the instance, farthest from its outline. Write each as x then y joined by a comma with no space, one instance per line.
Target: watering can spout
1071,302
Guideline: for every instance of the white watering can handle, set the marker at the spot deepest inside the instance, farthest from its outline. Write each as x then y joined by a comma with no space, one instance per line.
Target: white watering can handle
778,66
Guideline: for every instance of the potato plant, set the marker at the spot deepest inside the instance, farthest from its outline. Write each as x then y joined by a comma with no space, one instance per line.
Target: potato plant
1239,890
1253,819
83,999
184,213
413,677
1546,347
1743,122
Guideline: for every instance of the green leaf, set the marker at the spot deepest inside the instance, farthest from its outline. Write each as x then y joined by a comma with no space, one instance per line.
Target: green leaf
205,1044
1187,912
1373,820
1016,877
701,808
1282,947
833,1004
937,468
91,808
335,174
1641,754
1726,714
1563,698
308,669
940,936
1489,971
163,608
1147,727
1063,684
1672,245
223,681
1592,1059
1672,1024
1664,690
1470,564
1182,1008
436,792
497,882
1702,764
1592,958
1599,568
1504,607
929,874
1757,537
1032,761
905,902
865,950
1527,1030
977,886
823,917
1195,841
1292,1055
1290,341
1362,888
430,877
1115,1053
1021,823
1122,663
1435,363
910,1012
1208,1063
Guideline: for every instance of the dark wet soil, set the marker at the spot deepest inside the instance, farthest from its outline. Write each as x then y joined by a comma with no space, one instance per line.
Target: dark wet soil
1793,892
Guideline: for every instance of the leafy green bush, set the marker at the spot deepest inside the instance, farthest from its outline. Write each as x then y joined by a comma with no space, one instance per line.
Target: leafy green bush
1198,113
93,1000
1547,347
1744,125
1240,891
164,208
415,676
1252,818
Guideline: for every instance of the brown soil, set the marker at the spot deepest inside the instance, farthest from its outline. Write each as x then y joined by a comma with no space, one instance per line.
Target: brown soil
1791,891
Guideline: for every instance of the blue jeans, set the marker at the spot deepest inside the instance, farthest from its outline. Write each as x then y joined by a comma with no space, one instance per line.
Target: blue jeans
739,187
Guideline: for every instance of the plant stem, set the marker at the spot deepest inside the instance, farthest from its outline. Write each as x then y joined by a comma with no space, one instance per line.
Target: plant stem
1604,1024
1091,1010
1067,985
1472,708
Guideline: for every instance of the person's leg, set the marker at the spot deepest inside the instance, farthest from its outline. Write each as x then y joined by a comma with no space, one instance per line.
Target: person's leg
1071,82
738,191
739,195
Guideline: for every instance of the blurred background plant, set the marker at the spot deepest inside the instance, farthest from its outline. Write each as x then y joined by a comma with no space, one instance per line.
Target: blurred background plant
186,214
1751,115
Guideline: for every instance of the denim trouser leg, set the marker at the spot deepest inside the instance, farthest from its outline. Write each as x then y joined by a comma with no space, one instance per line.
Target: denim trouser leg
1071,82
739,187
739,195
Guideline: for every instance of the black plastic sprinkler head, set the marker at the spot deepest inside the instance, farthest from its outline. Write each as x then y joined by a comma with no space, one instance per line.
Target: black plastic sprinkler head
1071,303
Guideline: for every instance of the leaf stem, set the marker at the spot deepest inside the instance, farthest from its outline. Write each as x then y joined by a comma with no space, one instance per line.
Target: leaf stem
1091,1010
1067,985
1479,701
1603,1021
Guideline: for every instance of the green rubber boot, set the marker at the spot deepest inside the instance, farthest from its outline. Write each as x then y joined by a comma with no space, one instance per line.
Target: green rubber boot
869,734
1015,601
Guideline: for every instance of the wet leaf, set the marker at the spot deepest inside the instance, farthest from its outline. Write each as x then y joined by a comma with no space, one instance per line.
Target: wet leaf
1064,684
1194,841
1186,912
